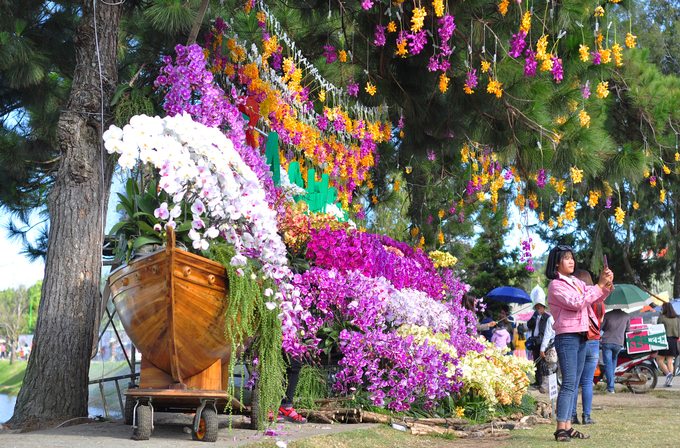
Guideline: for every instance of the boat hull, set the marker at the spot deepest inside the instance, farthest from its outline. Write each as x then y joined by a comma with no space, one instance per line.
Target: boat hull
172,306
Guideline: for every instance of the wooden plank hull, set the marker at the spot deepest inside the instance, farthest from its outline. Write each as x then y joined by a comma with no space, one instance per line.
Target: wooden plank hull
172,304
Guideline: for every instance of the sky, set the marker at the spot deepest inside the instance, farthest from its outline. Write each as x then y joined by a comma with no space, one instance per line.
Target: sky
16,270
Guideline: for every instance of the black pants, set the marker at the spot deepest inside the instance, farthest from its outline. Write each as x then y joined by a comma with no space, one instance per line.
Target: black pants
539,363
293,375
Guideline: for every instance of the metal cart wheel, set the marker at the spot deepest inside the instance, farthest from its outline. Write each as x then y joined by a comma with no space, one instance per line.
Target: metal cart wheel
129,411
207,426
144,423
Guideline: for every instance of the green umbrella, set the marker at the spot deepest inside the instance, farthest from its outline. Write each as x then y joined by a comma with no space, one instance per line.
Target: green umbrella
626,296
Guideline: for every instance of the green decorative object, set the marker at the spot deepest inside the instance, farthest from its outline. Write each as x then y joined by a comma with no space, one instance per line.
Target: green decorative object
271,153
319,194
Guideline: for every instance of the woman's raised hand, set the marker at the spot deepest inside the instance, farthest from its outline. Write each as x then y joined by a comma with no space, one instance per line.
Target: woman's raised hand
606,278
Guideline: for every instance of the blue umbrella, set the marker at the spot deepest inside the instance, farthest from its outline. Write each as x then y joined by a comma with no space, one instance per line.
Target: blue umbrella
674,302
509,294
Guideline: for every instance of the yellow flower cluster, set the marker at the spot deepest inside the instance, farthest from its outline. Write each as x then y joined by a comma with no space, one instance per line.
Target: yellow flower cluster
593,198
443,83
442,259
576,175
322,95
541,46
397,185
495,88
666,170
526,22
583,50
584,118
605,56
636,205
391,27
619,215
401,48
560,188
560,120
570,210
370,88
438,7
409,169
414,232
662,196
618,54
342,56
238,53
630,40
503,7
495,377
541,216
677,157
418,19
547,63
599,12
485,66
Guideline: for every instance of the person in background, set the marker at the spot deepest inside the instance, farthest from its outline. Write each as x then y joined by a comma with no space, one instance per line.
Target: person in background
615,324
469,301
665,358
488,318
569,300
2,350
501,336
540,323
520,342
506,310
592,358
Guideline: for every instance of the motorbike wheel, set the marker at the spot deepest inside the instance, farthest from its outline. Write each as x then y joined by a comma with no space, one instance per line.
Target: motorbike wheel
643,370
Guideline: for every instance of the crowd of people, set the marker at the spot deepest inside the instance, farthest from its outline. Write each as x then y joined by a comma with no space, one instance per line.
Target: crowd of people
22,352
572,335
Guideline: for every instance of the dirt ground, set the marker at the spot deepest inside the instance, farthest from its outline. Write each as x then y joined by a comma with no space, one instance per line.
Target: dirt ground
172,430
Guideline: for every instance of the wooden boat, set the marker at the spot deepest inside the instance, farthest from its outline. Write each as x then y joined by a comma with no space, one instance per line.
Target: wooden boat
172,304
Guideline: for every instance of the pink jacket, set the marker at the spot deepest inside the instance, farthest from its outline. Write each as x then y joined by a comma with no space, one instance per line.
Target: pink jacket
501,338
570,305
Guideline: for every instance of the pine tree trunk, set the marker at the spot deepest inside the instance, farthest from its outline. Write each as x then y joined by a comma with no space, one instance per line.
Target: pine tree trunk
676,253
55,387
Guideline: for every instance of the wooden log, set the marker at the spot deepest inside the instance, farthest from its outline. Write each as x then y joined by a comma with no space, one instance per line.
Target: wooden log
319,415
374,417
438,421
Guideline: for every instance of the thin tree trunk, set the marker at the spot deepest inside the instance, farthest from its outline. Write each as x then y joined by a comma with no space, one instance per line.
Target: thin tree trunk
674,231
55,387
198,21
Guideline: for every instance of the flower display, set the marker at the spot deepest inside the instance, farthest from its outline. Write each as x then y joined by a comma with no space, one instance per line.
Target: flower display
495,377
200,164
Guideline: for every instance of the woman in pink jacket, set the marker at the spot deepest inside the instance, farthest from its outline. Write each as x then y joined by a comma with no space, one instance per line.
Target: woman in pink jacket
569,300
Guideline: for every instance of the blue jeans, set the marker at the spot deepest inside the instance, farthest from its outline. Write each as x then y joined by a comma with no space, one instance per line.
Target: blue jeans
610,353
586,383
571,355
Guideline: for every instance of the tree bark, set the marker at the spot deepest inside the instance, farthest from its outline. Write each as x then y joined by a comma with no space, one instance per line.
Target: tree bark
55,386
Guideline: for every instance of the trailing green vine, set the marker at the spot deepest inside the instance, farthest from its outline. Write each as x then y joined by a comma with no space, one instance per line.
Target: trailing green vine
311,385
246,318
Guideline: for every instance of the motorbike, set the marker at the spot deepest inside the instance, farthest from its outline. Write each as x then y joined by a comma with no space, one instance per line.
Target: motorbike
636,372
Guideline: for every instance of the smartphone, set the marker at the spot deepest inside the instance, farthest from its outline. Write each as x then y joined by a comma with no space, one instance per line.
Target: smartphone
605,262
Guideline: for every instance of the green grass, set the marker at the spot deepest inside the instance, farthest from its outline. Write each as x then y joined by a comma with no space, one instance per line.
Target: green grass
12,376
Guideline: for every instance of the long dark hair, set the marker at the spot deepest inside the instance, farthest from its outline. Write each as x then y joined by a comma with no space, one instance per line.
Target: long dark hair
469,299
555,257
668,310
584,276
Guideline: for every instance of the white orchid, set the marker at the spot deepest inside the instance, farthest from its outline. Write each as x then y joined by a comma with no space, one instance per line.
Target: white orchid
199,164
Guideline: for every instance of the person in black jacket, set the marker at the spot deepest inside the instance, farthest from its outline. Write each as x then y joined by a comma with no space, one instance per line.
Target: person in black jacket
536,326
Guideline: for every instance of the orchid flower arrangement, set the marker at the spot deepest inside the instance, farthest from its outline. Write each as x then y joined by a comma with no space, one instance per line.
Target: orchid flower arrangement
199,164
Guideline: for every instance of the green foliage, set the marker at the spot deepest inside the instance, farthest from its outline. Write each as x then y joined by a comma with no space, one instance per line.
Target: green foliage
170,16
249,321
311,385
130,101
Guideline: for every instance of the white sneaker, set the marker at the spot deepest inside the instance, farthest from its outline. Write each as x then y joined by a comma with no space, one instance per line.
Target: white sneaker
669,380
